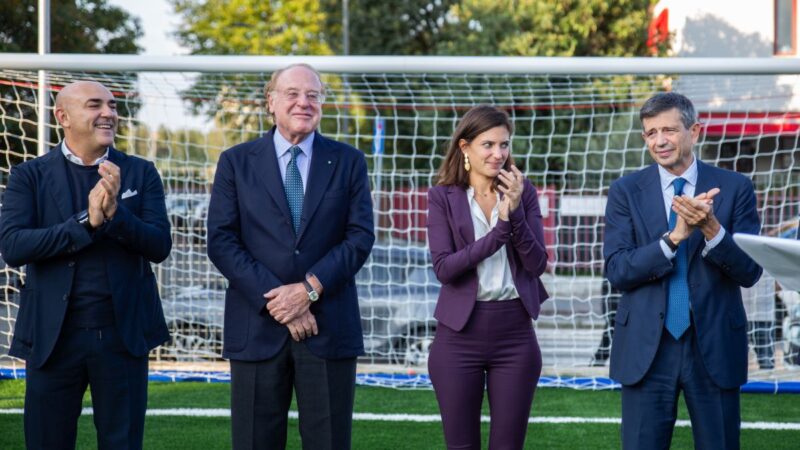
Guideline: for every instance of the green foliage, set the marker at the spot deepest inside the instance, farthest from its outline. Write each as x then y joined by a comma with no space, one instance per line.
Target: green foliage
252,27
409,27
428,27
548,28
77,26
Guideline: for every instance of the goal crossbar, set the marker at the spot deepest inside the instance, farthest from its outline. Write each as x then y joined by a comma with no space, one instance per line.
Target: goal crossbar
403,64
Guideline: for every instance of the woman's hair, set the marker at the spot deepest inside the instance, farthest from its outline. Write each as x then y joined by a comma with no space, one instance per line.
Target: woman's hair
476,121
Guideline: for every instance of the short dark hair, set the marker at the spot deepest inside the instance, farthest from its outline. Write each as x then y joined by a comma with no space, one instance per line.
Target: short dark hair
666,101
477,120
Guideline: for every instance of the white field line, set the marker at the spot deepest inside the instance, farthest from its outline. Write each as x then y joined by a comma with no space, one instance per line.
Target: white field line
427,418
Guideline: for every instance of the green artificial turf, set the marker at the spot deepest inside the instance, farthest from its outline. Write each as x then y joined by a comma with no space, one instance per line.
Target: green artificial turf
214,433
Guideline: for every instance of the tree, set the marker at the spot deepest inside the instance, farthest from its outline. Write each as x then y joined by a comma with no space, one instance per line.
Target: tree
245,27
414,27
83,26
252,27
548,28
407,27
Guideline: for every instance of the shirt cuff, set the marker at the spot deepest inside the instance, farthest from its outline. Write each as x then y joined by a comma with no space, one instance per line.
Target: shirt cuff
668,253
715,241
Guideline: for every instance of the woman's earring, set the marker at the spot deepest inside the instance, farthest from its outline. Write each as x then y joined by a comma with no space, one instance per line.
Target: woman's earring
467,166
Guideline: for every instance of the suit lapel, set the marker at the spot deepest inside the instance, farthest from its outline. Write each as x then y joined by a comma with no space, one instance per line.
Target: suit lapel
705,182
121,160
459,207
55,172
650,203
267,171
323,165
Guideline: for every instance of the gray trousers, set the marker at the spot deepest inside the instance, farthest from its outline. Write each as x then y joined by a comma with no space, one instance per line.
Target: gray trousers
261,392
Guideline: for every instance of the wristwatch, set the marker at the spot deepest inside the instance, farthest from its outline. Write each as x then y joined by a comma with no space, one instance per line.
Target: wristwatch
312,293
672,246
83,219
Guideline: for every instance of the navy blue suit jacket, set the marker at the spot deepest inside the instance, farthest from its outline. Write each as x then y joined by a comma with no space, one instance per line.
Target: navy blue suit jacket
251,240
38,230
636,265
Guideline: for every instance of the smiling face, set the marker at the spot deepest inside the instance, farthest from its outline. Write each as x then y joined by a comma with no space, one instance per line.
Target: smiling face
87,112
295,103
487,153
669,142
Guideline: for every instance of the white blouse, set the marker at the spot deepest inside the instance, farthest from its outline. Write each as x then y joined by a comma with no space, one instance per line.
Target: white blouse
494,273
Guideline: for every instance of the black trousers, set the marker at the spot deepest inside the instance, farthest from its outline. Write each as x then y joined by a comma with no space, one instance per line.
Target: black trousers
54,392
261,393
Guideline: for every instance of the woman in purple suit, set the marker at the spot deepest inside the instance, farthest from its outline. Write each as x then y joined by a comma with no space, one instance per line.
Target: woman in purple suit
487,245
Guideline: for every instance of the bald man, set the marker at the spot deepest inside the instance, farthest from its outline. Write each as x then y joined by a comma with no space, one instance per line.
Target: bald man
86,221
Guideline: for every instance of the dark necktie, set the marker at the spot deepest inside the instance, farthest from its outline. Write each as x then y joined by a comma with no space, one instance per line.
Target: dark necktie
678,301
293,185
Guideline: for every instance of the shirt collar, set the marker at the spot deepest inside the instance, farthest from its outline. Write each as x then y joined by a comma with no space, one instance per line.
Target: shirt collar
282,145
75,160
690,175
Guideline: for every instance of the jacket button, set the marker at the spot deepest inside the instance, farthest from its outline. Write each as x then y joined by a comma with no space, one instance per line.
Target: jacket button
297,252
661,316
71,264
65,297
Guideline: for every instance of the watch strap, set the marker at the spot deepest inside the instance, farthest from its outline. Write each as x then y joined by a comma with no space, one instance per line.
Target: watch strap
672,246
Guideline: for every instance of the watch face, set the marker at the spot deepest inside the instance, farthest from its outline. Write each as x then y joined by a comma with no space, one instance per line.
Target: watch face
313,296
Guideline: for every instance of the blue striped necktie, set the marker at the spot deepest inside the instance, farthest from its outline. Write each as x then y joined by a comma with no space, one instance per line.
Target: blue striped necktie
678,301
293,185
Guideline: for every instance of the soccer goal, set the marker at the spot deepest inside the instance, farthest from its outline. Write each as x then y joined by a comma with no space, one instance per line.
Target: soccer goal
576,131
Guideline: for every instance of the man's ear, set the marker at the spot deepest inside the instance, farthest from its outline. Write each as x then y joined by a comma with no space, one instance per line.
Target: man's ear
62,117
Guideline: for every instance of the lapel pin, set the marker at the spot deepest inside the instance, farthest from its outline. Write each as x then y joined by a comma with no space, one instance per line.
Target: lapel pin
329,162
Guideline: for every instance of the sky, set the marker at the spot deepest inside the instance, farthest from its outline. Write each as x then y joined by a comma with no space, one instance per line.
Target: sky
158,21
159,92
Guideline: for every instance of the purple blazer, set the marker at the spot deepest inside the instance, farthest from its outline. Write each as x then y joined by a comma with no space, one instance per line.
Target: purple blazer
456,253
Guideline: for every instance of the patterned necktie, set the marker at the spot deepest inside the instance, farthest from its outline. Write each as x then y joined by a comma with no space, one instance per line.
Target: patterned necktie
678,301
293,185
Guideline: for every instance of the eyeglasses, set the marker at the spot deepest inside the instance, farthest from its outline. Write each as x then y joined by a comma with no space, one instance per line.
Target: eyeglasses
312,96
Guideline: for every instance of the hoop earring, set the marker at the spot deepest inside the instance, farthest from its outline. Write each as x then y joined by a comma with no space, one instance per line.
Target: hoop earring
467,165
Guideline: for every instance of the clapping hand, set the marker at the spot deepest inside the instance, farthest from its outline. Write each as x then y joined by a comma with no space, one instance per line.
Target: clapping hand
697,212
511,187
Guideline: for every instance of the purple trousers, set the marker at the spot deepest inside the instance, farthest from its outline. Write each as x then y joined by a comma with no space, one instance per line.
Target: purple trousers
496,350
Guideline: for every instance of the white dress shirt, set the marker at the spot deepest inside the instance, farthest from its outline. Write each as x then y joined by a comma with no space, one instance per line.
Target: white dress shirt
282,147
494,273
75,160
690,175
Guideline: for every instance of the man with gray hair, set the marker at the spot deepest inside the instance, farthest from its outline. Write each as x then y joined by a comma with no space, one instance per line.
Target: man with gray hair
668,246
289,225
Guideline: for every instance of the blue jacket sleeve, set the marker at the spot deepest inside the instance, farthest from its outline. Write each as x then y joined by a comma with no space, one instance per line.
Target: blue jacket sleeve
726,255
22,240
627,264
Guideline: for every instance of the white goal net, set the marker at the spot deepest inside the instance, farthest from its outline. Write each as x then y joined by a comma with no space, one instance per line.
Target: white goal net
575,134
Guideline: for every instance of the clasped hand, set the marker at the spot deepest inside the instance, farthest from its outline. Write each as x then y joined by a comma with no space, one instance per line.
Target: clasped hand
511,187
695,213
103,196
289,305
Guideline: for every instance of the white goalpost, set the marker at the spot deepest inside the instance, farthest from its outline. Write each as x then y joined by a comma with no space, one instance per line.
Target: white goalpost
576,131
